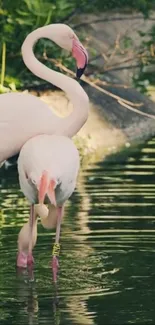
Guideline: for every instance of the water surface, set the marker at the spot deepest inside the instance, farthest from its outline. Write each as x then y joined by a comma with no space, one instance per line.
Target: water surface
107,263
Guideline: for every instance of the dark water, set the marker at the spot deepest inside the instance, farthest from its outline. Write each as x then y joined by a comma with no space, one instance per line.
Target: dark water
107,263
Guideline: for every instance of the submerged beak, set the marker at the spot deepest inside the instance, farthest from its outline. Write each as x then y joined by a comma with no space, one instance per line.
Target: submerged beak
46,187
81,56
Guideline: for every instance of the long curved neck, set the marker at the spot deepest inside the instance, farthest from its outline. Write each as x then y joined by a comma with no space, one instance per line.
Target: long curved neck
71,124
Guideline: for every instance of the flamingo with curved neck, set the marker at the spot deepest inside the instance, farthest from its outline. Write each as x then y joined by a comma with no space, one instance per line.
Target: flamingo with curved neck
48,168
23,116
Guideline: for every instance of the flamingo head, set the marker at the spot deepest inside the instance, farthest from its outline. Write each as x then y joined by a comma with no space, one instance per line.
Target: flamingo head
65,37
81,56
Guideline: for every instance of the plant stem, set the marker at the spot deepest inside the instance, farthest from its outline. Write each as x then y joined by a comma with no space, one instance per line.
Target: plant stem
3,63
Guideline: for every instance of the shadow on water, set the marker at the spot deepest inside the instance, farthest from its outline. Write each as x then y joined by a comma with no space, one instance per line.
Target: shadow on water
107,264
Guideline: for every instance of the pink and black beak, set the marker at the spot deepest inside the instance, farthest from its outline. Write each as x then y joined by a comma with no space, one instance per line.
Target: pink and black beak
81,56
46,187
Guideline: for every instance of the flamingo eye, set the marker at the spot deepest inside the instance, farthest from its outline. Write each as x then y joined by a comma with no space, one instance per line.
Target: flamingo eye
33,181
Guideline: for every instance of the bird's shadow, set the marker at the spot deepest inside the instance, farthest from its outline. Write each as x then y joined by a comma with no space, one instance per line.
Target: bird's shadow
27,290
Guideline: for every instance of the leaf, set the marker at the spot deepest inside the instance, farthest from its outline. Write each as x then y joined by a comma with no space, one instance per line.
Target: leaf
24,21
63,5
22,13
3,12
12,86
9,29
48,20
127,42
142,34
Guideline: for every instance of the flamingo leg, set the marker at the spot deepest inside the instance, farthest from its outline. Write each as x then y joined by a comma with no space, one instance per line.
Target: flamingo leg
26,241
22,260
56,247
30,259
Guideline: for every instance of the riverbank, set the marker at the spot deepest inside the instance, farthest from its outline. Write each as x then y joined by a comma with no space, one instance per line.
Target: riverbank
97,138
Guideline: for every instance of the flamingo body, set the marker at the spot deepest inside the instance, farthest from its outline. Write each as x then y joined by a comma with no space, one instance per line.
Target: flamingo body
48,167
23,116
55,154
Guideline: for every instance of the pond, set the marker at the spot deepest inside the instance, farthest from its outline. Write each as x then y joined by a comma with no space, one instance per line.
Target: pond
107,261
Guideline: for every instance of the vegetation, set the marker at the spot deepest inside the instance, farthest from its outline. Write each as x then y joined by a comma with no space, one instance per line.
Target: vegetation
146,76
18,18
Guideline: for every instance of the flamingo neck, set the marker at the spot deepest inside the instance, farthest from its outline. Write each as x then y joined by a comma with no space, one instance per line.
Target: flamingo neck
46,222
48,215
71,124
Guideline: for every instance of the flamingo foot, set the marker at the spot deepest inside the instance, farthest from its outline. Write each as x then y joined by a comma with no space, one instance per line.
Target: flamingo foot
30,260
55,267
22,260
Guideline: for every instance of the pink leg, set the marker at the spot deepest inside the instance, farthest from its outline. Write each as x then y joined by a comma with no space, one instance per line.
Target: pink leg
30,259
56,247
23,259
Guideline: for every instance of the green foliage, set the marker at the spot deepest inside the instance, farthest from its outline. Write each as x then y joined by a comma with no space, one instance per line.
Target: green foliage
141,5
146,77
18,18
127,42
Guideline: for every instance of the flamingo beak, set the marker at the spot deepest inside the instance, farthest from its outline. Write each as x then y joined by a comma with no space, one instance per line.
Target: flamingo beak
81,56
46,187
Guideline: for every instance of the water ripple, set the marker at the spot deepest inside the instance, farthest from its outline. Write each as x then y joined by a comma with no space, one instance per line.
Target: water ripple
107,264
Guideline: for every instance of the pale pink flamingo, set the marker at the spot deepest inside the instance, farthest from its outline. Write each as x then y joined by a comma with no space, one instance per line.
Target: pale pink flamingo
48,167
23,116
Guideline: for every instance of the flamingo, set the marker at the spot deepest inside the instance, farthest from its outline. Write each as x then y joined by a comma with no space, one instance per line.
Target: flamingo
23,116
48,166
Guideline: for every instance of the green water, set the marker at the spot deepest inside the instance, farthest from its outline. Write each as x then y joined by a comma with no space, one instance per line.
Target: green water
107,263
